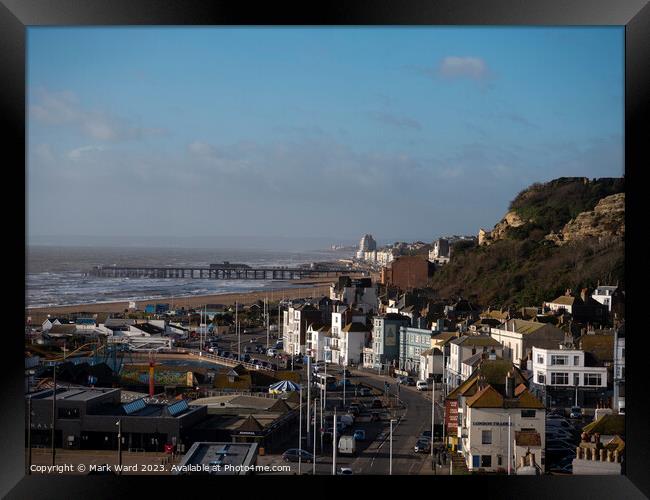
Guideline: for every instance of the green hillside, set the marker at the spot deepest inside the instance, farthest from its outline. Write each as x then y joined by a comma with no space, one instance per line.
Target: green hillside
524,269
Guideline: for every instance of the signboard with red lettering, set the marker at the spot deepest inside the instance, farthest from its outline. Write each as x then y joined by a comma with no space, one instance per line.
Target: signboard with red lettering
451,416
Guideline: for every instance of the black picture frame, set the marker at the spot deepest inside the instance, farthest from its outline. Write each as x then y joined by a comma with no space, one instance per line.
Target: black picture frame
16,15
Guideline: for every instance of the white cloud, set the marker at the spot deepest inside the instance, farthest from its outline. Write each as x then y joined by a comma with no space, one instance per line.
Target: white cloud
463,67
78,153
64,108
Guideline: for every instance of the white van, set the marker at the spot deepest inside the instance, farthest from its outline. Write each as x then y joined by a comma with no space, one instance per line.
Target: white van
347,445
422,385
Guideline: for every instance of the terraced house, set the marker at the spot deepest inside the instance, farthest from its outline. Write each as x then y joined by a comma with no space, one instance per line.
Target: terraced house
519,336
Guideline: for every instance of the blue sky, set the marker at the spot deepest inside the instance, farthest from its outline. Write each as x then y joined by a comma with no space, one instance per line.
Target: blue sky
407,133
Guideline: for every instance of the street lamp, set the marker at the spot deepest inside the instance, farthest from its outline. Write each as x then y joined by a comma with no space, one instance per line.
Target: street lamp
300,432
119,444
390,463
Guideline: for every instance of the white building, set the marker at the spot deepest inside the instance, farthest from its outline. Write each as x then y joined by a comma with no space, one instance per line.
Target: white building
294,327
431,363
355,292
565,368
496,428
367,244
465,347
518,337
319,337
603,295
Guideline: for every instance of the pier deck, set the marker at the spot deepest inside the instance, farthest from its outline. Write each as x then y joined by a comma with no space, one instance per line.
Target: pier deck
216,273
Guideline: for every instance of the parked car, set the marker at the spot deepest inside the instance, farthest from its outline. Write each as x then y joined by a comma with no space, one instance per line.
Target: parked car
245,358
272,352
364,391
401,380
576,412
346,373
422,385
425,435
344,471
409,381
422,446
375,416
360,435
347,445
376,403
293,454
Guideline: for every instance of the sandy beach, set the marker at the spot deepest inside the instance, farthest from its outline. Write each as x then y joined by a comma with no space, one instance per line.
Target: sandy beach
308,288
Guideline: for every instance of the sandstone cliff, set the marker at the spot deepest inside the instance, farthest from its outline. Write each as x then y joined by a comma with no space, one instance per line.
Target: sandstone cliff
605,221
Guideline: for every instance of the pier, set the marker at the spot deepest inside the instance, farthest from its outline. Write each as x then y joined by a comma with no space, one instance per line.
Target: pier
217,272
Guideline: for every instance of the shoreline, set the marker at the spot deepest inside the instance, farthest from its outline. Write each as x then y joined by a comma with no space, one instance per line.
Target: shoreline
292,290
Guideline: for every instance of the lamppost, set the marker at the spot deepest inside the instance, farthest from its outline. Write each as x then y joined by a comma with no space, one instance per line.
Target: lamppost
334,446
390,463
300,432
29,435
433,416
53,414
314,457
119,444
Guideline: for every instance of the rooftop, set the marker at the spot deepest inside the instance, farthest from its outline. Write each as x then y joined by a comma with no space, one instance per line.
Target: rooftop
607,425
223,453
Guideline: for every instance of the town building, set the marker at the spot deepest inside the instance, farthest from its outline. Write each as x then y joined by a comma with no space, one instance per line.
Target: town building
294,329
218,458
349,336
441,251
355,292
319,337
567,375
87,419
408,272
385,341
494,422
602,447
519,336
583,308
413,342
619,370
264,419
464,347
367,244
431,365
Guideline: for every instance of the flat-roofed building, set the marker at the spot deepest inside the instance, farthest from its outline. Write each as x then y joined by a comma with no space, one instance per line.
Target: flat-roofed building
87,419
218,458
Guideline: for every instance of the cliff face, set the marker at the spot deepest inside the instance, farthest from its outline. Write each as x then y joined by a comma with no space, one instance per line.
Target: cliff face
566,233
510,220
605,221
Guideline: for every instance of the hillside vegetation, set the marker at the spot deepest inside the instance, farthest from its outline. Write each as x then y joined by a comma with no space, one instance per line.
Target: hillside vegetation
523,267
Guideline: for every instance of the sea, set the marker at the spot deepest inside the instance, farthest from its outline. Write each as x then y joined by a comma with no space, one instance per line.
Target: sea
56,275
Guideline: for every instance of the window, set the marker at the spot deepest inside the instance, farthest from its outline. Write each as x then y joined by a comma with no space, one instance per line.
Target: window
486,437
576,360
540,359
576,379
592,378
476,461
559,360
559,379
68,412
541,378
486,460
499,460
527,413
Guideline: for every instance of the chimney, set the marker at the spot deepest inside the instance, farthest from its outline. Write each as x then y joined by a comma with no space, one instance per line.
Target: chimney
510,386
583,294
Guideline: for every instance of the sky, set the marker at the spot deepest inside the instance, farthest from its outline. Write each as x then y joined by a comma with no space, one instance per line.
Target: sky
313,134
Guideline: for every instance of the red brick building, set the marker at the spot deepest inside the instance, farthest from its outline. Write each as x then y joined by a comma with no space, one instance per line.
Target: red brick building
408,272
